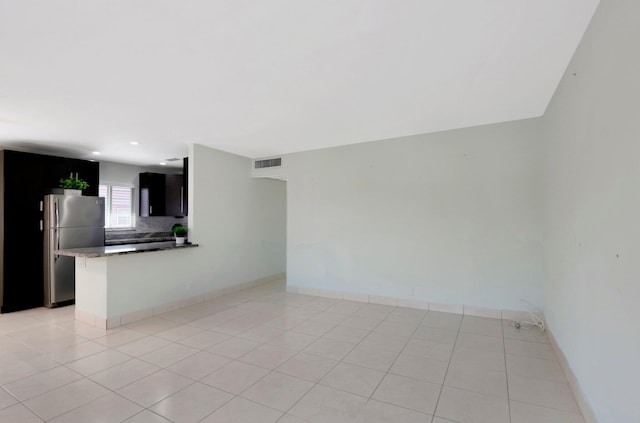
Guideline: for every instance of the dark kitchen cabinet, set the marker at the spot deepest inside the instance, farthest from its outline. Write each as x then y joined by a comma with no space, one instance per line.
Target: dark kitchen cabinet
24,180
22,244
62,167
185,185
162,194
174,196
152,194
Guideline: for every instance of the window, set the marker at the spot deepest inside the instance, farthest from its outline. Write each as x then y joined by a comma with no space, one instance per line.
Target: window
118,206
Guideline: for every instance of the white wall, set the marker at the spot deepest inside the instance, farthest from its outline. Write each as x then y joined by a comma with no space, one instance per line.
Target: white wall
592,128
239,221
452,217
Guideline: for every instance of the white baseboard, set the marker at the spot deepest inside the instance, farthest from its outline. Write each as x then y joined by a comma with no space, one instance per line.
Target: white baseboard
583,404
447,308
422,304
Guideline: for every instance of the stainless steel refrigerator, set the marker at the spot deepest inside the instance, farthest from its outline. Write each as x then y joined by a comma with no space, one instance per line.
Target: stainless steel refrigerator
70,221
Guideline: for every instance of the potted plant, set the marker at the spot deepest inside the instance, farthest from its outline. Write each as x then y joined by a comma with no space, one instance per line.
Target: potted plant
73,185
180,232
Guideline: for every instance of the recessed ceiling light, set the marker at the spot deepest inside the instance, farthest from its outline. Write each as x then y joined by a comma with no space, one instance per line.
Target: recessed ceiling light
134,142
96,153
163,163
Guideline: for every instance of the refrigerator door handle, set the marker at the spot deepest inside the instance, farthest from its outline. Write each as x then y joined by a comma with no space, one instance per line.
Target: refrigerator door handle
57,235
56,223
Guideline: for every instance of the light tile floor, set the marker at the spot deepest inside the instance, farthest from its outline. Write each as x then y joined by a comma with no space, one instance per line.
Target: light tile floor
264,355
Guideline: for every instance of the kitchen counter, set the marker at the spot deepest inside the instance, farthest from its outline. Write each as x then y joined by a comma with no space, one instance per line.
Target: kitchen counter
118,284
112,250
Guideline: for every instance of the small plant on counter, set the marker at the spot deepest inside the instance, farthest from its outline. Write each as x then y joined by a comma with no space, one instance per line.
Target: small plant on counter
180,233
179,230
73,182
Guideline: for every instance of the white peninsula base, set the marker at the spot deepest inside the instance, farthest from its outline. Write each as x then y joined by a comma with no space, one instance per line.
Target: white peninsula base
117,289
116,285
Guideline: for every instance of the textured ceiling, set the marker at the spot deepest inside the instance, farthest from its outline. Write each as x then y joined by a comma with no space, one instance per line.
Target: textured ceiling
272,77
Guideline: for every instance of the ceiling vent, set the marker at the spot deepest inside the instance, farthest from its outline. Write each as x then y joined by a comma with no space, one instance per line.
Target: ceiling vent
269,167
261,164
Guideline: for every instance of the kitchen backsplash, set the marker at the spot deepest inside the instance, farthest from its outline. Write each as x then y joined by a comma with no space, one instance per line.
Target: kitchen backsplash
157,225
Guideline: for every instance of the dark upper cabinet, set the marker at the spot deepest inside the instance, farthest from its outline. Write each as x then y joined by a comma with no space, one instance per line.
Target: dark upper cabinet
185,185
152,194
174,205
162,195
57,168
24,180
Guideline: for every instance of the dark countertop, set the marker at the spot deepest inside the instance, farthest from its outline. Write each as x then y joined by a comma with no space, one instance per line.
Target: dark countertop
116,250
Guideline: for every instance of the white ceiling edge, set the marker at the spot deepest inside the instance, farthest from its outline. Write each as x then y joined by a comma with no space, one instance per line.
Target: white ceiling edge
275,77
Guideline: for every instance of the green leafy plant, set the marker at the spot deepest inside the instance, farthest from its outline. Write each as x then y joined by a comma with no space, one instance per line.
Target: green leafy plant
179,230
73,182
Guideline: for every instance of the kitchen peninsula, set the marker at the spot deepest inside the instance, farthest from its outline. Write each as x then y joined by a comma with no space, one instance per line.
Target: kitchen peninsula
119,284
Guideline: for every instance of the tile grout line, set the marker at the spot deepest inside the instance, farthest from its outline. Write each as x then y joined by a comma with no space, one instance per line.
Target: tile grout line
506,374
447,370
